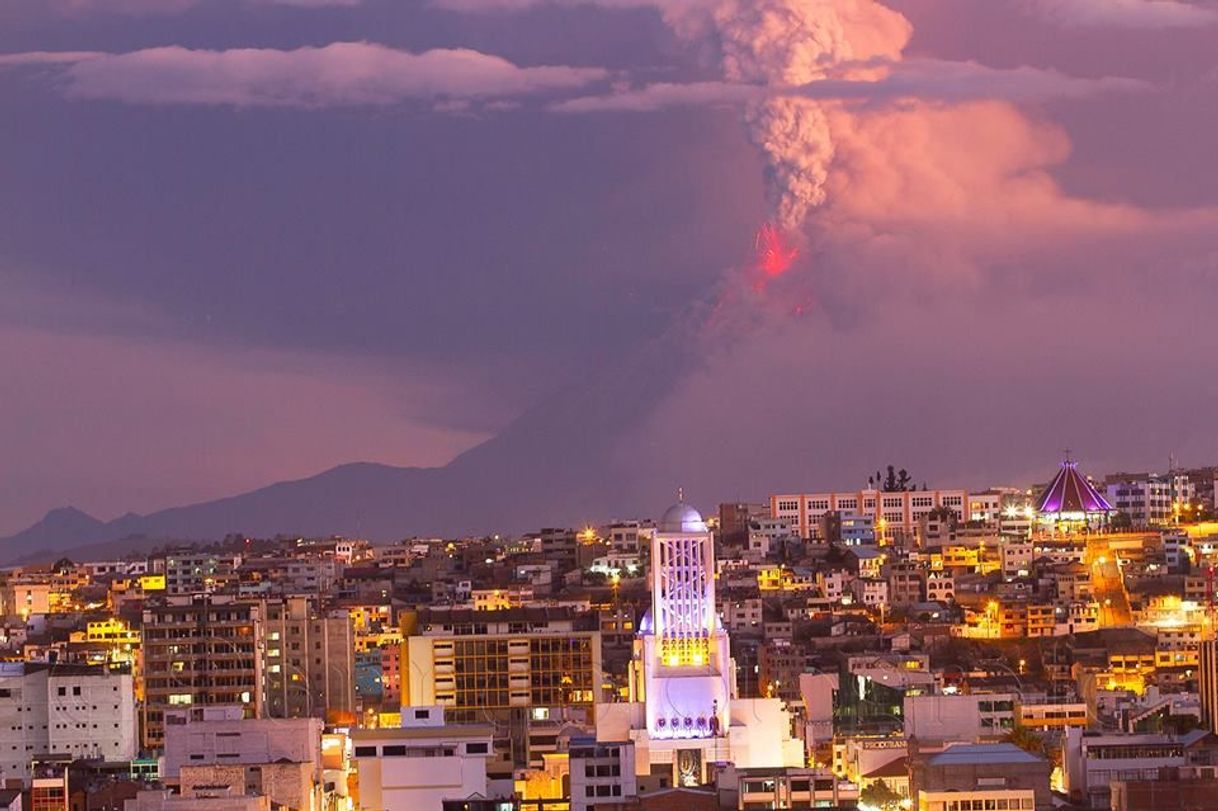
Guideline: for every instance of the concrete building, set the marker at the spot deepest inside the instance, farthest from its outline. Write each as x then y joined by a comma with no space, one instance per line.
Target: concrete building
893,514
684,714
217,734
194,572
1189,788
1091,762
74,711
200,649
970,777
970,717
289,786
601,773
308,660
1145,497
748,789
423,763
206,800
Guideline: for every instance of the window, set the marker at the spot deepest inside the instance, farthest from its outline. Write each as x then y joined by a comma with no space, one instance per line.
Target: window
365,751
393,751
476,748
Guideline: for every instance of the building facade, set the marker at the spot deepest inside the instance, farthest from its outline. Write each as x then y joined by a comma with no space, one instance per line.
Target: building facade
308,660
892,514
64,710
200,650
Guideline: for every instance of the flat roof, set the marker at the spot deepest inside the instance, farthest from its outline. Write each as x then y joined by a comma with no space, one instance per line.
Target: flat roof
448,731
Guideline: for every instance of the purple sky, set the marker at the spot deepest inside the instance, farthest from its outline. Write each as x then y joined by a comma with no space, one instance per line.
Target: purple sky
245,240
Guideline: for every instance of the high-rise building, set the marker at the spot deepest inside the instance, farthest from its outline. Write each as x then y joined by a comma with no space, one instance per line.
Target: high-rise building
683,713
308,660
200,649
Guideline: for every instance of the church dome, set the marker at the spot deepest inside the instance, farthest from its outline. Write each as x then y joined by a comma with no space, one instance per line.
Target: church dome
681,517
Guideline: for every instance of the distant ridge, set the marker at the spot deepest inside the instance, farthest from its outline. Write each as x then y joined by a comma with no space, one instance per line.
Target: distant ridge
558,464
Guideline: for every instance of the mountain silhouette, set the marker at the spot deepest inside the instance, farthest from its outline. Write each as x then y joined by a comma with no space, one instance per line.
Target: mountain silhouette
560,463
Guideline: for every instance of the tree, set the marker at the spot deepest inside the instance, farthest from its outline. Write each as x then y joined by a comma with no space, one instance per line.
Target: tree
1028,740
897,481
942,513
880,795
63,566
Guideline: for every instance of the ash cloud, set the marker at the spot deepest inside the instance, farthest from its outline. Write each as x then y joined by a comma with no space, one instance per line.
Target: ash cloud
339,74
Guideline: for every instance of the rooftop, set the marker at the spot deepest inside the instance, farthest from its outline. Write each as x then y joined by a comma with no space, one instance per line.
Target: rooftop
983,753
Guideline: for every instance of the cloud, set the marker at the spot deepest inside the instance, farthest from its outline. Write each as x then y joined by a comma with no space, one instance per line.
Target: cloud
928,79
1123,13
165,7
340,74
48,58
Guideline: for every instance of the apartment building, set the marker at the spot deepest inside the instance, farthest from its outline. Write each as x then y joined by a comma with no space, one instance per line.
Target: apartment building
601,773
64,710
308,659
193,572
1145,497
198,650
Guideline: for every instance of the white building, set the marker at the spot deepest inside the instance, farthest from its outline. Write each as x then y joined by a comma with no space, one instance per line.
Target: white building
628,537
77,710
423,763
1146,498
895,514
967,718
601,772
1016,557
683,713
871,592
220,734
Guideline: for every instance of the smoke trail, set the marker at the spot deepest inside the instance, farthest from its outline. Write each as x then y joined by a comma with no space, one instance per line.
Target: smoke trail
789,43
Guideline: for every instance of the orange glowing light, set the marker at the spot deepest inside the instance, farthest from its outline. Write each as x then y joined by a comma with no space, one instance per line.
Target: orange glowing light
774,255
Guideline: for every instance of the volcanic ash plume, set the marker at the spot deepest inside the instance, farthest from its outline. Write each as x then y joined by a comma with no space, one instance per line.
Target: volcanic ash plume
794,134
784,44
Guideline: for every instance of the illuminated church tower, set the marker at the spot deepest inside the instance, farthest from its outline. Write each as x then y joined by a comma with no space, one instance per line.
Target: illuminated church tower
686,668
683,714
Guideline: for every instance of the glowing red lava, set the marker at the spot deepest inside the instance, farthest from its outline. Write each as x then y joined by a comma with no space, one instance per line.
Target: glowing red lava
774,255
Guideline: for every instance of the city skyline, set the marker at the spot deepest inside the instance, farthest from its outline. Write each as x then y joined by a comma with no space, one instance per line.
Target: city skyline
389,230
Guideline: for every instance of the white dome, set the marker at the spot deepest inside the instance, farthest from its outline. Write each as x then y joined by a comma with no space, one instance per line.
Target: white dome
681,517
